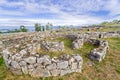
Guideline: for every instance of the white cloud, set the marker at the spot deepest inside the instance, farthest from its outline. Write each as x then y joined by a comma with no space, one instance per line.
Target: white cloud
113,6
8,13
11,4
66,10
30,22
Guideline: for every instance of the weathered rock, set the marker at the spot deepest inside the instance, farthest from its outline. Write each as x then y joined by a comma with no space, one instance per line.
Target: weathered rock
80,64
22,63
51,66
55,72
40,73
71,60
100,52
93,41
74,65
62,65
1,48
78,43
15,65
1,42
30,60
7,63
97,54
25,70
77,57
52,46
31,66
45,60
6,54
63,72
17,57
65,57
23,52
104,44
30,71
16,71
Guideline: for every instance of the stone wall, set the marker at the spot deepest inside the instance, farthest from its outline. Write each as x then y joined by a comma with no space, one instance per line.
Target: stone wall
24,37
100,52
90,35
38,65
1,48
77,43
52,46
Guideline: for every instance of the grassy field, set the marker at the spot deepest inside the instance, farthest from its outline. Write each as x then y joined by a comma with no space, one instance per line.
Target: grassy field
109,29
108,69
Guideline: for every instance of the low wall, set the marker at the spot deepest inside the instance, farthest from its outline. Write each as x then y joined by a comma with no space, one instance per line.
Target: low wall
100,52
38,65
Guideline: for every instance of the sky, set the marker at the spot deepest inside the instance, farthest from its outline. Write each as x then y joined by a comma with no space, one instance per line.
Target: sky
57,12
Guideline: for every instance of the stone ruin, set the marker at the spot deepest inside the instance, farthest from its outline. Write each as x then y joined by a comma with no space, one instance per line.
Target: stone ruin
95,54
52,46
1,48
38,65
77,43
22,56
100,52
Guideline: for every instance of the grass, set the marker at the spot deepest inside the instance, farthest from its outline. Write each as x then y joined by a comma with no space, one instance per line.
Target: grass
118,70
109,29
108,69
84,51
111,24
1,61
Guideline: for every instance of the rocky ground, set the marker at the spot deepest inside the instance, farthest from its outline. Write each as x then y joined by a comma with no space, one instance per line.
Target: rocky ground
57,43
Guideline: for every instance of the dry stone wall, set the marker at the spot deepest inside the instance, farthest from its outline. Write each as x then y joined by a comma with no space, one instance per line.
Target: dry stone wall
77,43
52,46
100,52
91,35
38,65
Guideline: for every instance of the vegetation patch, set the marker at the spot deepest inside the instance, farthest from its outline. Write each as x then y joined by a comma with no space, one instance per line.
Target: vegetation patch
1,61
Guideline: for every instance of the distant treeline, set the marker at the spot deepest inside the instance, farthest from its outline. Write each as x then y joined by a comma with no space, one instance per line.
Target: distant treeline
49,26
37,26
114,23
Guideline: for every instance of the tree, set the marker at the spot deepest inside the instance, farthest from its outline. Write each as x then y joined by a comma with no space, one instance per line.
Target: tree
116,21
38,27
49,26
43,28
23,28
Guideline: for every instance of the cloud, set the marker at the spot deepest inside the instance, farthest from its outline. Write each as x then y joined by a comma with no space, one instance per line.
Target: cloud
113,7
55,22
75,12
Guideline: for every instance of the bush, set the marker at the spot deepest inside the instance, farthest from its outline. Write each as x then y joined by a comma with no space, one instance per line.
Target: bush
23,28
38,27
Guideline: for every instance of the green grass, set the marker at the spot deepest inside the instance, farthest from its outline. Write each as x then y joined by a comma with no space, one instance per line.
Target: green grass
109,29
1,61
84,51
118,70
108,69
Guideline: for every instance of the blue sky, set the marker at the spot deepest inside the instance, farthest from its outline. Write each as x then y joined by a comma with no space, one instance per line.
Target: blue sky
57,12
